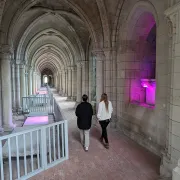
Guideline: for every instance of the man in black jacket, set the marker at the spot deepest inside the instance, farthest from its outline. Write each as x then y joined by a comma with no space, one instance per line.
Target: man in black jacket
84,113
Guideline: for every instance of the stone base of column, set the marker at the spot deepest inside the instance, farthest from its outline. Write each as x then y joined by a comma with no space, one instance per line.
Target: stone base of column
13,110
64,95
69,98
1,130
60,93
9,128
176,174
166,168
73,98
19,110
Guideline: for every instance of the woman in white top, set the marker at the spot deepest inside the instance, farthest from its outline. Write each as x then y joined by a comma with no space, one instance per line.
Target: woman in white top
105,110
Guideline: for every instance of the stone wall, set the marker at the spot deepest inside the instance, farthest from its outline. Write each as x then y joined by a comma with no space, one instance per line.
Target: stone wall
145,125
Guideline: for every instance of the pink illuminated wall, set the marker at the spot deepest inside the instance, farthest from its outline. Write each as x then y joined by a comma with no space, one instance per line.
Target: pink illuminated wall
143,64
150,90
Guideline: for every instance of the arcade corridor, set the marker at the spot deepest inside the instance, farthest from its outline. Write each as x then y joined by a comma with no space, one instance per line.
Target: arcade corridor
128,49
125,160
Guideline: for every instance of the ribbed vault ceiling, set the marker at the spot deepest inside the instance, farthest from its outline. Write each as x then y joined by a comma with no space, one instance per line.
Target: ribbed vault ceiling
46,34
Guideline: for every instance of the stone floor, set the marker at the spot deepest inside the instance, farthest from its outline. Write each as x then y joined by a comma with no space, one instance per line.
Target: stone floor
125,160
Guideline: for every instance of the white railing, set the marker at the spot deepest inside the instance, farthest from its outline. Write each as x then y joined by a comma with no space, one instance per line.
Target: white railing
42,103
27,153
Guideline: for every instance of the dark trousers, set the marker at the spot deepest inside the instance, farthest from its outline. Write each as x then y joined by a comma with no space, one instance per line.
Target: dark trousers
104,125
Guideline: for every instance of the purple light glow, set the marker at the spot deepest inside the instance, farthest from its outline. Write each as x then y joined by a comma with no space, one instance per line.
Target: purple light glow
144,85
150,90
37,120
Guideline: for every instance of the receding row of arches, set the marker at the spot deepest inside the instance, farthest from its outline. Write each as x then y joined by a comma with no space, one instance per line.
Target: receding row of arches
79,50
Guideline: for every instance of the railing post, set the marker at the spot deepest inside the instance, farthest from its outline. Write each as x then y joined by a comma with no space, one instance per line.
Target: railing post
1,162
43,144
66,139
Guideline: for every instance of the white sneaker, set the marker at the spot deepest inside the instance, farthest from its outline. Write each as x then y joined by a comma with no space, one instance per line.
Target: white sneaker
86,148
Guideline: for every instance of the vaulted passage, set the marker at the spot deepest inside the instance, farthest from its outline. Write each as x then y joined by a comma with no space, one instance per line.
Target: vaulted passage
128,49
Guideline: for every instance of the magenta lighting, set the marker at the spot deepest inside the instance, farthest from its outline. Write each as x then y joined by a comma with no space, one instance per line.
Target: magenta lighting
150,85
145,83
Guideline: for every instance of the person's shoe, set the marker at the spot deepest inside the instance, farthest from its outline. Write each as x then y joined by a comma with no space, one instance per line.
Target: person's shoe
106,145
86,149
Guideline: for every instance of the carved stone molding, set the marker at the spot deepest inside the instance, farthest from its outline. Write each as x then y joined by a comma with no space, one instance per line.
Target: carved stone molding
99,54
79,64
170,27
6,49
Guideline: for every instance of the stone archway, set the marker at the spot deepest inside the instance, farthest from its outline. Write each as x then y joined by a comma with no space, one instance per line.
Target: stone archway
134,45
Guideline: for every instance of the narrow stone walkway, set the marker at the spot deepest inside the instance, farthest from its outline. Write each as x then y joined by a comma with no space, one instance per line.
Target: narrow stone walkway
125,160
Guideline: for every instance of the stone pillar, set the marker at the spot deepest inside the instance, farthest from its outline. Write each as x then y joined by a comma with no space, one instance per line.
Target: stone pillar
6,89
79,82
110,81
90,78
99,74
34,82
57,81
69,83
85,77
30,81
172,153
1,104
22,79
36,79
26,82
60,83
63,82
13,87
18,96
176,172
74,83
66,75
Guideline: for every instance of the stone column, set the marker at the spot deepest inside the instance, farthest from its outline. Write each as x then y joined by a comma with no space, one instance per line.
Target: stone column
110,81
55,85
18,96
99,74
63,82
172,153
69,82
90,78
34,82
22,79
60,83
13,87
176,172
79,82
57,81
85,77
36,79
26,82
30,81
66,74
6,89
74,83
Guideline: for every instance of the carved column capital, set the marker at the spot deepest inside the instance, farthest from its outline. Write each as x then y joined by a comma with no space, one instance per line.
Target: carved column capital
79,64
6,49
